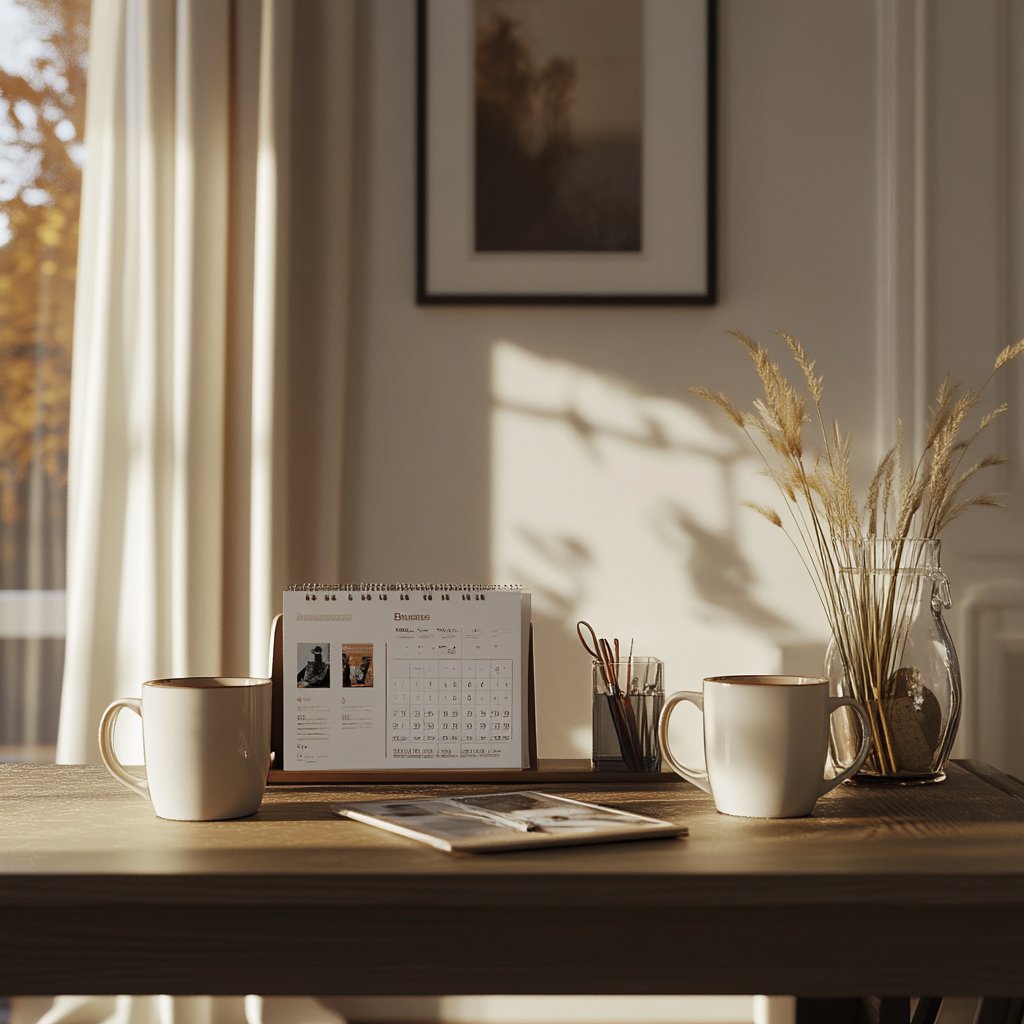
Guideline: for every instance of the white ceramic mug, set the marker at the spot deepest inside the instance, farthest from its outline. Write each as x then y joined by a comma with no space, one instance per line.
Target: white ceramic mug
765,743
206,742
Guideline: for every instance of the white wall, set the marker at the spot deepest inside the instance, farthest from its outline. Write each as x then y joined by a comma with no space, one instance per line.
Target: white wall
558,447
869,203
870,164
973,304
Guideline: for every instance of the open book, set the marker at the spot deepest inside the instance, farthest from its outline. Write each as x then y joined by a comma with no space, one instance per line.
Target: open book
503,820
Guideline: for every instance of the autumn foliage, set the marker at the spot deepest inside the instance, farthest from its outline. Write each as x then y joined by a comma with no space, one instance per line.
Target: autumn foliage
42,121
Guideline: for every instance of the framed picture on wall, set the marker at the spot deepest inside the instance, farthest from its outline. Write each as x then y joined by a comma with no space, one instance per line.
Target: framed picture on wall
566,151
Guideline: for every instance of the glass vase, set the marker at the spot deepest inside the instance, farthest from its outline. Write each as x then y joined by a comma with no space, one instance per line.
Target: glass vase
891,651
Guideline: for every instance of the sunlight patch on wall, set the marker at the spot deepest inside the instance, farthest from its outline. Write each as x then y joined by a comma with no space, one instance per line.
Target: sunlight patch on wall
625,509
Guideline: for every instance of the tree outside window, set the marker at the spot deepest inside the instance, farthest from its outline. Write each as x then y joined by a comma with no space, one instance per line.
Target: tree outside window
43,62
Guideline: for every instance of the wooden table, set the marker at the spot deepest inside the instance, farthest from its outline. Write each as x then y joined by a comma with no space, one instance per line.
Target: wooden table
883,891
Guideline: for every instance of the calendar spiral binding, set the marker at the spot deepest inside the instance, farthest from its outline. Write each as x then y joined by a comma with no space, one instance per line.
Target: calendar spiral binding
394,587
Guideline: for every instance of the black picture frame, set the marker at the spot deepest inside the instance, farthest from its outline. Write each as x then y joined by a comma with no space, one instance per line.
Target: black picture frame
676,260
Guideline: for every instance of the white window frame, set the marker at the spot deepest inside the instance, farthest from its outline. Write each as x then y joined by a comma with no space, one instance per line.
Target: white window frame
32,614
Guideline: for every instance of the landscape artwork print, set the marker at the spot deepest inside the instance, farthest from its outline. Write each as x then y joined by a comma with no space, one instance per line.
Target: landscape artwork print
558,120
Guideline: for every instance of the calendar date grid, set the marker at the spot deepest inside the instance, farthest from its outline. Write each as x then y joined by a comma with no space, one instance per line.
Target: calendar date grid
446,705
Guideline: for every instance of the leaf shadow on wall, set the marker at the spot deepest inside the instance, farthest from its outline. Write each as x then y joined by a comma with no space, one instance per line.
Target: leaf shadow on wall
723,578
562,566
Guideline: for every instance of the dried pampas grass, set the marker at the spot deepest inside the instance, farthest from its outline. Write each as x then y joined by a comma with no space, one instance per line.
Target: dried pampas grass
918,499
839,539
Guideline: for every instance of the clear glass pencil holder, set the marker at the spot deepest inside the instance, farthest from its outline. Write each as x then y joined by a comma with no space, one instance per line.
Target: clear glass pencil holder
628,696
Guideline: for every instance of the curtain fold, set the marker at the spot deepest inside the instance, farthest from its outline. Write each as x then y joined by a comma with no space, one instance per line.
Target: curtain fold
188,322
190,328
187,327
270,316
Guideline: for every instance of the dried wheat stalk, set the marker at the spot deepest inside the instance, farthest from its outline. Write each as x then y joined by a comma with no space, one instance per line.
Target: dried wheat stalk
853,552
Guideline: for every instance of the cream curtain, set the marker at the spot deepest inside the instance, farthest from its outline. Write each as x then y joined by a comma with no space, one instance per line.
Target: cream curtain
208,373
208,366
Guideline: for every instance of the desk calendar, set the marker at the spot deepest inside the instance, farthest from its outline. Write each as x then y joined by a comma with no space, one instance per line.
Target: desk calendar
405,676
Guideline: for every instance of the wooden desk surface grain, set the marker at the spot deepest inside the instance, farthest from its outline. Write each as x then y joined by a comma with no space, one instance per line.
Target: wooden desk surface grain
883,891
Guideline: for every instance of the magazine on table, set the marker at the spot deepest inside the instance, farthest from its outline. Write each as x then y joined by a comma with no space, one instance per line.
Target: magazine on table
503,820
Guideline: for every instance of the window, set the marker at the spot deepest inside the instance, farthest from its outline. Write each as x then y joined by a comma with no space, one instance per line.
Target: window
43,59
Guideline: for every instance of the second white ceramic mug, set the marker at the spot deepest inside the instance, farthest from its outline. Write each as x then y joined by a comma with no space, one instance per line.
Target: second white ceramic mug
206,742
765,743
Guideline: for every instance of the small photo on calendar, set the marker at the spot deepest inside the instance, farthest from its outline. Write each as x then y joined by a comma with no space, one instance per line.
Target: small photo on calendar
314,665
357,664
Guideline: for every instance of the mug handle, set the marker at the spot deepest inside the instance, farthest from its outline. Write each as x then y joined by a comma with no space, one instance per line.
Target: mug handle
114,766
834,703
694,775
